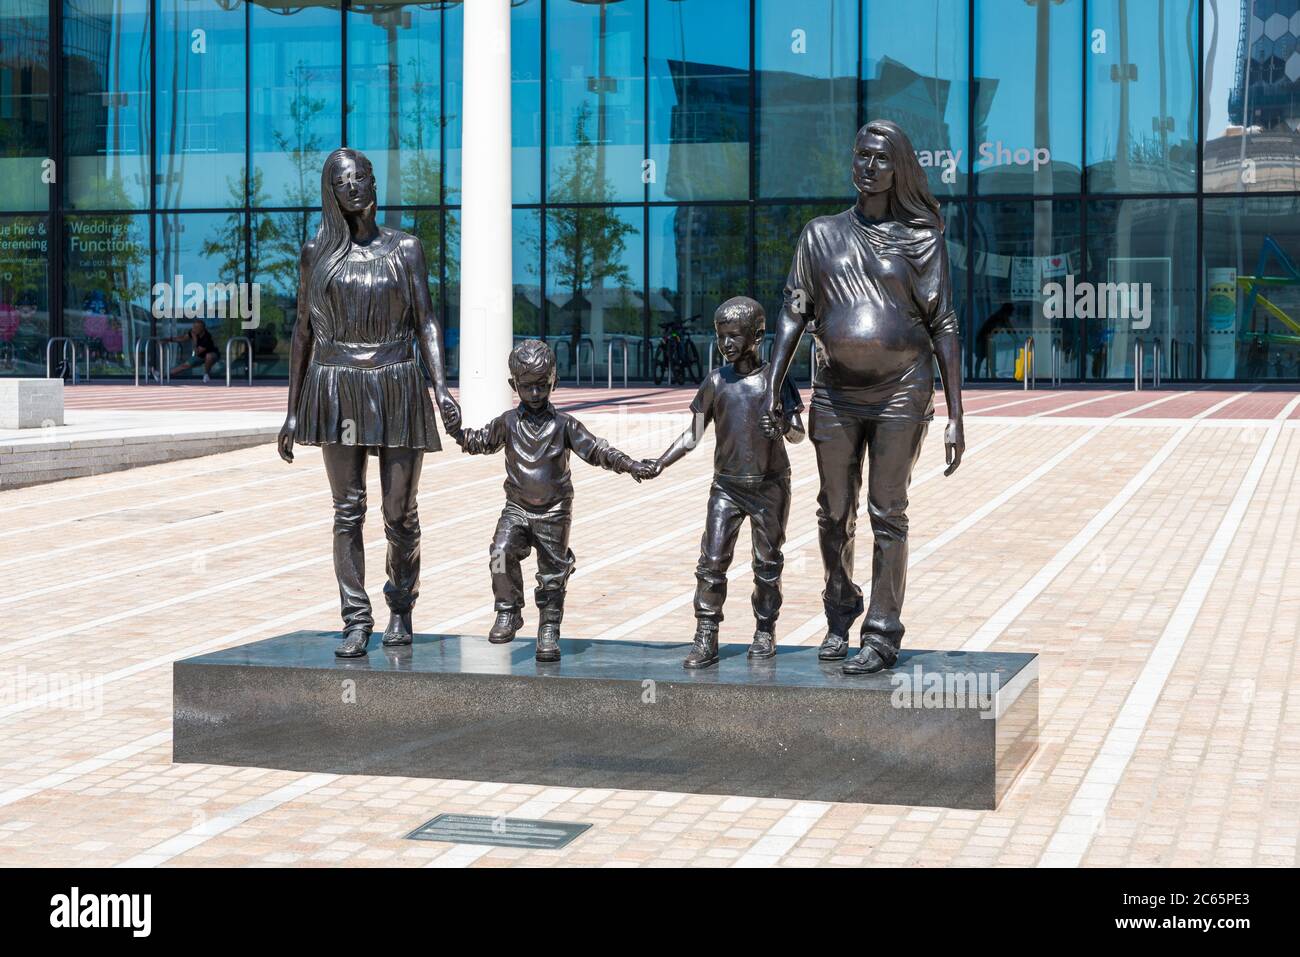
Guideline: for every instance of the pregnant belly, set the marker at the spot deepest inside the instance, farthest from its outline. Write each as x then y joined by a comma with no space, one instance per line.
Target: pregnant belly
861,348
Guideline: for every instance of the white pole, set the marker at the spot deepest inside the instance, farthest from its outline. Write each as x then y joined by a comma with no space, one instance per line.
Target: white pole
486,323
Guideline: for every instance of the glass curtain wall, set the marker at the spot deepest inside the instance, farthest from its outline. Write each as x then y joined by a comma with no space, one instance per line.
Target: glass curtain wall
1114,174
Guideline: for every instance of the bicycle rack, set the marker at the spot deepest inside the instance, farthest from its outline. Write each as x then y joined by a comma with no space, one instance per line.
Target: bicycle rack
7,354
577,366
1139,356
68,344
1155,363
1175,358
1056,363
142,345
622,344
248,353
1027,367
555,347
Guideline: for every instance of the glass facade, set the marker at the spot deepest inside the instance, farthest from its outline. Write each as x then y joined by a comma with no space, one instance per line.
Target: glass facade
1112,172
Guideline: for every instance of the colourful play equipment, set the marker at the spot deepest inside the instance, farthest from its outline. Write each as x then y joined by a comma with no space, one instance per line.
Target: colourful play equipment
1251,286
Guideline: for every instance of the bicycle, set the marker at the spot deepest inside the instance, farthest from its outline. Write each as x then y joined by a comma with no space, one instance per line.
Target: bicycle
676,357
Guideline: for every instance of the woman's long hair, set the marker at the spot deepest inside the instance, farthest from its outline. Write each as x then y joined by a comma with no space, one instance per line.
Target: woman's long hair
333,238
910,200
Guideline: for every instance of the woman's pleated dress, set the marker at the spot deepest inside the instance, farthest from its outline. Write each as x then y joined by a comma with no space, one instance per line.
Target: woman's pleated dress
364,386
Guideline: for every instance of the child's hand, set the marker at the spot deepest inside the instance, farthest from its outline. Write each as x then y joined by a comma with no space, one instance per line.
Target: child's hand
774,428
647,469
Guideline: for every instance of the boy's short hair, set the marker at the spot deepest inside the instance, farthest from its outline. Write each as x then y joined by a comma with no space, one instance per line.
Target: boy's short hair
743,310
532,355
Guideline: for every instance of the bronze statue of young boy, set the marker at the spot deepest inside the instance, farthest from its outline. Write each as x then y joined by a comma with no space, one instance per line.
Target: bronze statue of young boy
537,439
751,478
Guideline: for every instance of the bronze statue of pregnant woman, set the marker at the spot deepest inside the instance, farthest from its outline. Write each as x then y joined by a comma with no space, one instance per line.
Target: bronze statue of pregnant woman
356,389
872,285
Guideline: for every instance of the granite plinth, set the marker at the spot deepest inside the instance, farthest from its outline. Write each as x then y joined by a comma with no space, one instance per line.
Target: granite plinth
942,728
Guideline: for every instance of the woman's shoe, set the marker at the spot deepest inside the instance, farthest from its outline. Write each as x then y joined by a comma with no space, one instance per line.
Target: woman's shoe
398,631
866,662
355,642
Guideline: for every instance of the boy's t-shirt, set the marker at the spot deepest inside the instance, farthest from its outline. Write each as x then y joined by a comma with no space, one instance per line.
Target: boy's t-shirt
735,404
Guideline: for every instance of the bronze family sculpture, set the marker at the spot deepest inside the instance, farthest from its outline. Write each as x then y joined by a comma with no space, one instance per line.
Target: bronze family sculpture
871,284
356,389
751,478
537,439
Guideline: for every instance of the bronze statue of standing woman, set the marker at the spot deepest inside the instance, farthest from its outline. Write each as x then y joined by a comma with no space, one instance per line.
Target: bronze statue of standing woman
356,389
872,285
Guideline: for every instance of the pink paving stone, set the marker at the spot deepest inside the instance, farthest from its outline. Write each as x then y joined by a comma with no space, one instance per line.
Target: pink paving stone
1182,407
1117,402
1258,405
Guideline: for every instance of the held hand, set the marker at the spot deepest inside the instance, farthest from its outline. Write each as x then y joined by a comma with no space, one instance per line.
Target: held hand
770,422
954,444
285,441
450,412
774,428
646,469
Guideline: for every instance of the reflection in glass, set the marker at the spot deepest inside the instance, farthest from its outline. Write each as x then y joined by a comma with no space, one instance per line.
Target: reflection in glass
699,258
106,103
106,297
1252,288
807,95
275,249
1018,249
594,280
775,230
296,98
200,254
525,97
1252,96
394,99
1142,96
699,99
1028,87
24,295
201,139
914,72
595,106
1141,262
24,104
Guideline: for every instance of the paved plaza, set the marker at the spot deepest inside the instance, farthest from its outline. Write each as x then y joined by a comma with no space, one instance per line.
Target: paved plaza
1143,544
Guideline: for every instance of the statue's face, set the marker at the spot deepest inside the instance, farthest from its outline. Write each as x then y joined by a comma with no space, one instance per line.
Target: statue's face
735,339
354,187
873,167
534,389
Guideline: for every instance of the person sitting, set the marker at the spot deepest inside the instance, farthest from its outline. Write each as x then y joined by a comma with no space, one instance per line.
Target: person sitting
204,353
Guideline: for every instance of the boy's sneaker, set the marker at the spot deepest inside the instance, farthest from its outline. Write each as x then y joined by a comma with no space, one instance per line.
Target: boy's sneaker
704,651
504,628
763,645
834,647
206,377
548,642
